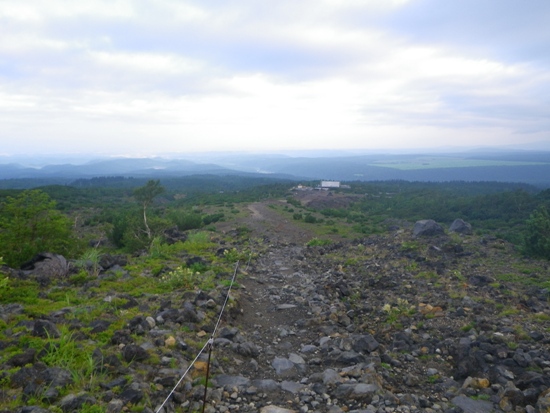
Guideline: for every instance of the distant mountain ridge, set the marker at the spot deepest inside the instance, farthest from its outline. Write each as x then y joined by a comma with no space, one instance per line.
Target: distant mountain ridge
531,167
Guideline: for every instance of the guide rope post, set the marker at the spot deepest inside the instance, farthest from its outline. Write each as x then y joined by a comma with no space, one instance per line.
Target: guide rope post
211,345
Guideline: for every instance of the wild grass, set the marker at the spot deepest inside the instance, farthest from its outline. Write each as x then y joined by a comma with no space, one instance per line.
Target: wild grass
89,261
198,243
187,279
317,242
401,309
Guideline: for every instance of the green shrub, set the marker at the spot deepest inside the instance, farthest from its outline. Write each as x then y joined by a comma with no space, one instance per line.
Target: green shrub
294,202
31,224
212,218
316,242
4,287
233,255
79,278
89,261
310,219
186,220
198,242
537,237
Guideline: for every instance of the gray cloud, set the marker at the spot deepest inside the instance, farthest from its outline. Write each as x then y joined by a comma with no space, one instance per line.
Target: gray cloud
507,30
301,73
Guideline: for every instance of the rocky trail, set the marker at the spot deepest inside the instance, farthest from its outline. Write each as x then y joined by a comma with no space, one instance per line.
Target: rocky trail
388,323
371,338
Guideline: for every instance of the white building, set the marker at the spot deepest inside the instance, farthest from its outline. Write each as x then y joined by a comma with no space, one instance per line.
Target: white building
330,184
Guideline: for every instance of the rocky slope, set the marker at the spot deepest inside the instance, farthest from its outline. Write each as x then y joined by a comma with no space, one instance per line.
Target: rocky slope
388,323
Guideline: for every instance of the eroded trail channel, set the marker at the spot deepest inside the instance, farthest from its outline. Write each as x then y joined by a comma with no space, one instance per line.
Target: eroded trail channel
282,336
291,339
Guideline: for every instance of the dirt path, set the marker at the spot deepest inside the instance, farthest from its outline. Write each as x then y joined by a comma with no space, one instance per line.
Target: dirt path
274,317
265,222
276,274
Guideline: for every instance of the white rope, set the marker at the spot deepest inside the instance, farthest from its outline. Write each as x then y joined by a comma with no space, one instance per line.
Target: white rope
249,259
210,342
226,299
182,377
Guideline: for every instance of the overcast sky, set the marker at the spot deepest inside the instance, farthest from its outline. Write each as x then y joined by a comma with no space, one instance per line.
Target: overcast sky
156,76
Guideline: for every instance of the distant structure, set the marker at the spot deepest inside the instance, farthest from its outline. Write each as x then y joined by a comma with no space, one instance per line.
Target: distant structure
324,186
330,184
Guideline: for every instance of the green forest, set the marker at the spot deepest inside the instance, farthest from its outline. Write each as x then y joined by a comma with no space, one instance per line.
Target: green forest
129,215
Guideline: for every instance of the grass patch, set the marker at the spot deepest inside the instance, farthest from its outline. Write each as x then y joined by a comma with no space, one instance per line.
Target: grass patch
198,243
427,275
187,279
19,291
317,242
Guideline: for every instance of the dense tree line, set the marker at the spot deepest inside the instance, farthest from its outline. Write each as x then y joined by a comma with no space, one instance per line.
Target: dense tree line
32,221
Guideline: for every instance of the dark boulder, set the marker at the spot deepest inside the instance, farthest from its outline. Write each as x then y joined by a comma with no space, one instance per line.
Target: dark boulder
131,395
461,227
365,343
72,402
427,228
99,326
138,325
39,379
173,235
22,359
121,337
133,352
108,261
45,329
47,265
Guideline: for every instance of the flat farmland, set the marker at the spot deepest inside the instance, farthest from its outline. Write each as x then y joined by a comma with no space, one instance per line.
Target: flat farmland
439,162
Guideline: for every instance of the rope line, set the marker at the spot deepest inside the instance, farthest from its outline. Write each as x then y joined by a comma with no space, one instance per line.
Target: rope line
209,343
249,259
226,300
182,377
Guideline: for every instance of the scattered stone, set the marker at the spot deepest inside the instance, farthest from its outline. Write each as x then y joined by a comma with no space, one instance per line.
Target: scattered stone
461,227
313,336
99,326
291,386
224,380
45,329
115,406
74,402
275,409
22,359
286,306
283,366
427,228
365,343
132,352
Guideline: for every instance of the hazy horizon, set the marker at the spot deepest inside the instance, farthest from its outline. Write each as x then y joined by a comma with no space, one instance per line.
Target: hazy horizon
43,159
